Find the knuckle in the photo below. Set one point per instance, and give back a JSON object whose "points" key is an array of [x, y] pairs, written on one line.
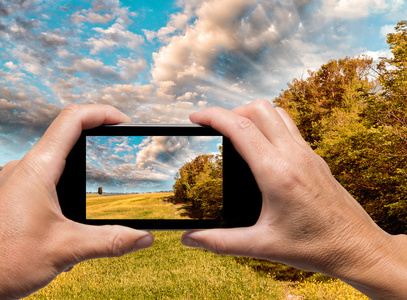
{"points": [[10, 165], [72, 108], [262, 104], [219, 246], [244, 123], [117, 245]]}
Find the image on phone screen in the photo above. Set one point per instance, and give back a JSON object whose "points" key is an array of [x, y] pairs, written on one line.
{"points": [[154, 177]]}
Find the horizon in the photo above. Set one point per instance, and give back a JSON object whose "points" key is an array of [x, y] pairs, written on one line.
{"points": [[120, 164]]}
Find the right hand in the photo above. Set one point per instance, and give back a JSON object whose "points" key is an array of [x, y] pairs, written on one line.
{"points": [[308, 220]]}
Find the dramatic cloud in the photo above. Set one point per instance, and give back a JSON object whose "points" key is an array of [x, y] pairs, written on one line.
{"points": [[160, 67], [141, 164]]}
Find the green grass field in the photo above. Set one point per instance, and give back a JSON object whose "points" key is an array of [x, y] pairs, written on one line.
{"points": [[169, 270], [134, 206]]}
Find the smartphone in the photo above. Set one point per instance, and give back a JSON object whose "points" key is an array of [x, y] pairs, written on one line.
{"points": [[158, 177]]}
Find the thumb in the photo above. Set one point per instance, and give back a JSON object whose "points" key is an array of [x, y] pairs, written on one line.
{"points": [[234, 241], [83, 242]]}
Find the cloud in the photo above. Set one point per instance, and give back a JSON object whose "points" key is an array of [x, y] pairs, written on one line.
{"points": [[95, 68], [386, 29], [52, 39], [237, 41], [348, 9], [209, 53], [152, 161], [160, 148], [114, 36], [131, 68]]}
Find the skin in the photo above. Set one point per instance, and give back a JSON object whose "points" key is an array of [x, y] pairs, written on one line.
{"points": [[36, 241], [308, 219]]}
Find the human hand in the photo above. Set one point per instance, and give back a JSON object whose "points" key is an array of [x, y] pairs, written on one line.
{"points": [[36, 241], [308, 220]]}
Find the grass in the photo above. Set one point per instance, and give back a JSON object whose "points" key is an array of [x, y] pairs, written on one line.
{"points": [[168, 270], [136, 206]]}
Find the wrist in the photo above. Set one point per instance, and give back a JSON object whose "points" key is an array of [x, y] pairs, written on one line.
{"points": [[378, 267]]}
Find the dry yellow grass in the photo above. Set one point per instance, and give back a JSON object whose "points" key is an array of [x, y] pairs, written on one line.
{"points": [[132, 206]]}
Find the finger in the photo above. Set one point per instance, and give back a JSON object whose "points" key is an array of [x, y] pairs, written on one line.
{"points": [[82, 242], [233, 241], [53, 148], [291, 126], [7, 170], [297, 135], [267, 119], [243, 133]]}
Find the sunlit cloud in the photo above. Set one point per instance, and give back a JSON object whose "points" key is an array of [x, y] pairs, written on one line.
{"points": [[160, 61], [139, 164]]}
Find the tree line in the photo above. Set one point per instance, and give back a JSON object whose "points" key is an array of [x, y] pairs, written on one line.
{"points": [[199, 186], [353, 113]]}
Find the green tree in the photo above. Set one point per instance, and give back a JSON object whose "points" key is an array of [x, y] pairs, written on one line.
{"points": [[199, 183], [358, 125], [337, 84], [389, 111]]}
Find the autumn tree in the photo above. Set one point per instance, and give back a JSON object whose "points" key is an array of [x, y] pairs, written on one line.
{"points": [[388, 110], [199, 183], [357, 123], [335, 85]]}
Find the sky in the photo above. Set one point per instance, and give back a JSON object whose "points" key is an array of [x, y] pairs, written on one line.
{"points": [[160, 60], [127, 164]]}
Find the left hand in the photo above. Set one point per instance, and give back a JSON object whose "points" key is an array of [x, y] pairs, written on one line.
{"points": [[36, 241]]}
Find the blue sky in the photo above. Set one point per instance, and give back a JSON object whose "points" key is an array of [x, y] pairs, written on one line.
{"points": [[126, 164], [158, 61]]}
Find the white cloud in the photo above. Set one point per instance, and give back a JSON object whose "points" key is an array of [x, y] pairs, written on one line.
{"points": [[375, 55], [348, 9], [223, 53], [130, 68], [386, 29], [10, 65], [98, 18], [114, 36], [187, 96]]}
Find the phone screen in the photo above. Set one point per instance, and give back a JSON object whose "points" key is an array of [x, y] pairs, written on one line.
{"points": [[154, 177]]}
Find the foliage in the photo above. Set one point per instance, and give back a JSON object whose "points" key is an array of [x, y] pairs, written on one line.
{"points": [[336, 85], [199, 185], [357, 124]]}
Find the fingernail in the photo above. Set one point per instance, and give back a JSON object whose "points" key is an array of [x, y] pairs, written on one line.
{"points": [[144, 242], [189, 242]]}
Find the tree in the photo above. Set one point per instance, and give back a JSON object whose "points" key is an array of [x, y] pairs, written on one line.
{"points": [[337, 84], [357, 123], [199, 183], [389, 111]]}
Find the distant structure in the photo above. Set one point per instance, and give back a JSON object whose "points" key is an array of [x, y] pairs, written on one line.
{"points": [[100, 191]]}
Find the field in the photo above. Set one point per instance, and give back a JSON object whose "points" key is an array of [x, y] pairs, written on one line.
{"points": [[133, 206], [169, 270]]}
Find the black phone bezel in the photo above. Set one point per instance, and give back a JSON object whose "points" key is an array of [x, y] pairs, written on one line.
{"points": [[242, 198]]}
